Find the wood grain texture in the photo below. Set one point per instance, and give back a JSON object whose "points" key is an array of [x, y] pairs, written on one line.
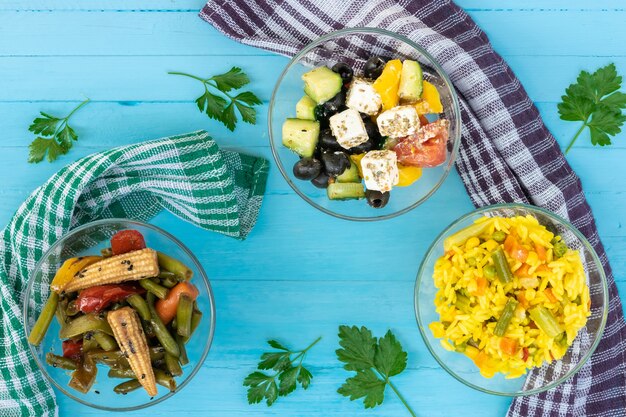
{"points": [[288, 280]]}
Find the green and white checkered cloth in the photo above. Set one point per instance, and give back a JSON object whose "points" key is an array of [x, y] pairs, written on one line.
{"points": [[188, 175]]}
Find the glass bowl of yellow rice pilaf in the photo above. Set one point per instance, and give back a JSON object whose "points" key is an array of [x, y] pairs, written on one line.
{"points": [[511, 299]]}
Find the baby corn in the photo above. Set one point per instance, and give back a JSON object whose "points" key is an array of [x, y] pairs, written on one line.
{"points": [[132, 341], [130, 266]]}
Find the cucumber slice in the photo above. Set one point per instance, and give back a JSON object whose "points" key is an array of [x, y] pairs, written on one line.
{"points": [[321, 84], [350, 175], [301, 136], [305, 108], [345, 191], [410, 89]]}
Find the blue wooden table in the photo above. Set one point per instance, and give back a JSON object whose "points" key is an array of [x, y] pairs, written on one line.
{"points": [[301, 273]]}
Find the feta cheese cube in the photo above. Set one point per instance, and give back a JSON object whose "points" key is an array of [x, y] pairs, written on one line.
{"points": [[380, 170], [348, 128], [398, 122], [363, 97]]}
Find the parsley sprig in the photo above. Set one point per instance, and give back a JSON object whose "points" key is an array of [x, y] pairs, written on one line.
{"points": [[55, 138], [595, 100], [375, 361], [289, 372], [221, 106]]}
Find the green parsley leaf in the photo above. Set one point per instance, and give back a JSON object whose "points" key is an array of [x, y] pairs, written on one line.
{"points": [[365, 384], [375, 361], [595, 101], [39, 147], [289, 372], [221, 106], [57, 136], [232, 80]]}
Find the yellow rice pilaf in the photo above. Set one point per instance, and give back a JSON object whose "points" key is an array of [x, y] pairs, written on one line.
{"points": [[471, 300]]}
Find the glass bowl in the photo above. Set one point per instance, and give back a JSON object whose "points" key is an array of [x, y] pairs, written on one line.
{"points": [[351, 46], [539, 379], [89, 239]]}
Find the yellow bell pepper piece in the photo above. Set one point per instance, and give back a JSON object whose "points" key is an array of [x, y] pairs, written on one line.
{"points": [[430, 101], [356, 159], [431, 96], [70, 268], [388, 83], [408, 175]]}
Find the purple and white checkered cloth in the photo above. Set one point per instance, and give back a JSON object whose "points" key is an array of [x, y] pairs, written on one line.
{"points": [[506, 154]]}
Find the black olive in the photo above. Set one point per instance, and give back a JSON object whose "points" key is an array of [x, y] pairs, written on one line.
{"points": [[322, 114], [373, 67], [344, 70], [307, 168], [372, 132], [335, 163], [328, 142], [366, 146], [333, 105], [321, 181], [377, 199], [365, 116]]}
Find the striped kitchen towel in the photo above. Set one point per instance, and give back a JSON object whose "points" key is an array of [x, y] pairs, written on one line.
{"points": [[187, 175], [506, 154]]}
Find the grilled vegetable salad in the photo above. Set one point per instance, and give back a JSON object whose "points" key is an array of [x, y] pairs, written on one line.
{"points": [[132, 309], [369, 129]]}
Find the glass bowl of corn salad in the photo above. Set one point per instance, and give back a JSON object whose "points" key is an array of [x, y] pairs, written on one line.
{"points": [[112, 385], [511, 299]]}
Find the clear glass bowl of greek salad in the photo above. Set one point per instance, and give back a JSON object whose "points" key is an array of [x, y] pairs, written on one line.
{"points": [[364, 124]]}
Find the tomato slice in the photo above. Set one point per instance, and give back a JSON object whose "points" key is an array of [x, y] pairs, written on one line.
{"points": [[127, 241], [95, 299], [427, 148], [72, 348]]}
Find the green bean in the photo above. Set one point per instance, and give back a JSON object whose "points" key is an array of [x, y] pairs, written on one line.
{"points": [[473, 343], [499, 236], [172, 365], [463, 235], [460, 347], [105, 341], [164, 379], [84, 376], [71, 309], [184, 311], [505, 317], [89, 342], [559, 249], [502, 266], [169, 282], [106, 252], [137, 302], [489, 271], [57, 361], [84, 324], [154, 288], [183, 359], [121, 373], [167, 275], [196, 316], [546, 321], [463, 303], [126, 387], [147, 328], [160, 330], [60, 312], [40, 328], [174, 265]]}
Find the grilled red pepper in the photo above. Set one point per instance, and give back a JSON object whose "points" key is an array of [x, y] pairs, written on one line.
{"points": [[72, 349], [127, 241], [95, 299]]}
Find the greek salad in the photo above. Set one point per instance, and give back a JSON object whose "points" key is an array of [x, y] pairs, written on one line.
{"points": [[359, 136]]}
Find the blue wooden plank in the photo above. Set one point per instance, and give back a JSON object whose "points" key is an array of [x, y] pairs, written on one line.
{"points": [[287, 280]]}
